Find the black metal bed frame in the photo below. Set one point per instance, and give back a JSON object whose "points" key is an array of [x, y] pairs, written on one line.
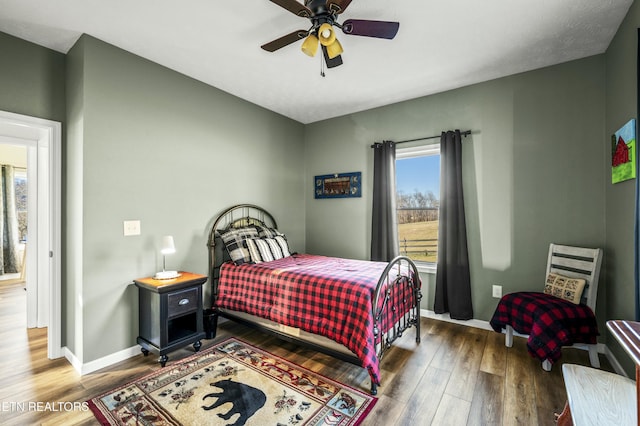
{"points": [[242, 215]]}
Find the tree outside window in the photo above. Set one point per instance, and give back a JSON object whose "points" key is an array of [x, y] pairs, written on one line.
{"points": [[21, 202]]}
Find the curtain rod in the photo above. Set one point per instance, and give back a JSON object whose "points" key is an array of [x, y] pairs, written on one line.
{"points": [[465, 134]]}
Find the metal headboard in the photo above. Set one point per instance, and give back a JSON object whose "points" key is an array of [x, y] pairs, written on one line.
{"points": [[238, 216]]}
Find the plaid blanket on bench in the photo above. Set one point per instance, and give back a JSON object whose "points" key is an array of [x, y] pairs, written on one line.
{"points": [[549, 321]]}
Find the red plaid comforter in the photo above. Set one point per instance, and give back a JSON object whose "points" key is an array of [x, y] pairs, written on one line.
{"points": [[328, 296], [549, 321]]}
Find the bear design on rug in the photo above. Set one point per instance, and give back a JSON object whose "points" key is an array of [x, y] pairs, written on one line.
{"points": [[246, 400]]}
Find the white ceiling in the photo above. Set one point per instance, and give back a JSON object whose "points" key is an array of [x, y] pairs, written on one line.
{"points": [[441, 45]]}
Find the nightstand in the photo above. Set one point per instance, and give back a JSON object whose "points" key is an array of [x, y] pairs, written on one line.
{"points": [[170, 313]]}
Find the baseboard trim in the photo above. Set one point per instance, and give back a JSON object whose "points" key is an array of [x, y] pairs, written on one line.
{"points": [[72, 358], [446, 317], [100, 363]]}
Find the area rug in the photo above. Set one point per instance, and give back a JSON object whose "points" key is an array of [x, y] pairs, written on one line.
{"points": [[233, 383]]}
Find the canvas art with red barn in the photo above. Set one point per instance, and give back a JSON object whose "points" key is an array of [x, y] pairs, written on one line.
{"points": [[623, 153]]}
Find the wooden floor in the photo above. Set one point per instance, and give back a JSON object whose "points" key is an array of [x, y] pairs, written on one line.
{"points": [[457, 375]]}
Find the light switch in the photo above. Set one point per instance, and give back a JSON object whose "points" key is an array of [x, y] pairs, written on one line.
{"points": [[497, 291], [131, 227]]}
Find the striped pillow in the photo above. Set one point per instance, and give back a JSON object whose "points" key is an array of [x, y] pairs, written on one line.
{"points": [[268, 249]]}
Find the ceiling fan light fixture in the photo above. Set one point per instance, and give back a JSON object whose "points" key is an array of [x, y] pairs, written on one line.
{"points": [[323, 15], [334, 49], [326, 34], [310, 45]]}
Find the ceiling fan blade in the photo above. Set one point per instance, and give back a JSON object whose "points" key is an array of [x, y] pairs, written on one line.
{"points": [[294, 7], [285, 40], [378, 29], [338, 6], [331, 63]]}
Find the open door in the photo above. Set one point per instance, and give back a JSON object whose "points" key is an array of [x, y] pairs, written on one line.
{"points": [[43, 141]]}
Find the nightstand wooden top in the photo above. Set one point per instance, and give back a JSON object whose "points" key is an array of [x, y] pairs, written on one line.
{"points": [[186, 279]]}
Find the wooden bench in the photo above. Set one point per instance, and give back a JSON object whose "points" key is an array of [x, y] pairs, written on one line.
{"points": [[598, 397]]}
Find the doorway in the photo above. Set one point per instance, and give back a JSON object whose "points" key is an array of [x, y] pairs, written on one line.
{"points": [[42, 140]]}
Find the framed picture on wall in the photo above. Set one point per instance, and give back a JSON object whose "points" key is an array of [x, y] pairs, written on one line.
{"points": [[338, 185], [623, 153]]}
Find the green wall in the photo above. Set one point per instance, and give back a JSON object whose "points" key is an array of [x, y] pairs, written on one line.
{"points": [[32, 82], [150, 144], [72, 219], [31, 79], [532, 174], [621, 89]]}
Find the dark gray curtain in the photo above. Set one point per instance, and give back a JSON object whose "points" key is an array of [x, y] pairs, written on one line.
{"points": [[384, 227], [453, 285], [8, 222]]}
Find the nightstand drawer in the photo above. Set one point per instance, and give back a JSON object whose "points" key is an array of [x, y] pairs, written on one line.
{"points": [[182, 301]]}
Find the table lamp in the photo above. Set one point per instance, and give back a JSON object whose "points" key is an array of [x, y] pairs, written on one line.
{"points": [[168, 247]]}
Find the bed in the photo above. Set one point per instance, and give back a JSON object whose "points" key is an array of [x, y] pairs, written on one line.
{"points": [[350, 309]]}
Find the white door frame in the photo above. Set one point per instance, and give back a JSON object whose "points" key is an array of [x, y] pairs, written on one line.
{"points": [[43, 139]]}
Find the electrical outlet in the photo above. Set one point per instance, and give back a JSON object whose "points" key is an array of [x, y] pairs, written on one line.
{"points": [[497, 291], [131, 227]]}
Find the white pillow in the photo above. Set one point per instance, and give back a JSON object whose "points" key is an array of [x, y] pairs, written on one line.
{"points": [[565, 287], [268, 249]]}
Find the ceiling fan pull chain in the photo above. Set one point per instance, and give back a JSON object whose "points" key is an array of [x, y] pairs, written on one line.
{"points": [[322, 65]]}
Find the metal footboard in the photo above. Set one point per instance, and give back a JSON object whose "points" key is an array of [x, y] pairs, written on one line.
{"points": [[396, 304]]}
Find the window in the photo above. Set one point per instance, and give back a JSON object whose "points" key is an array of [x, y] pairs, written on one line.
{"points": [[418, 201]]}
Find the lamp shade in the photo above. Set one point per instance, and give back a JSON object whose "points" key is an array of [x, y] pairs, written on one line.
{"points": [[334, 49], [168, 247], [310, 45], [326, 34]]}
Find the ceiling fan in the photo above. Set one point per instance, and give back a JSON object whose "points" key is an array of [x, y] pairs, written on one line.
{"points": [[323, 15]]}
